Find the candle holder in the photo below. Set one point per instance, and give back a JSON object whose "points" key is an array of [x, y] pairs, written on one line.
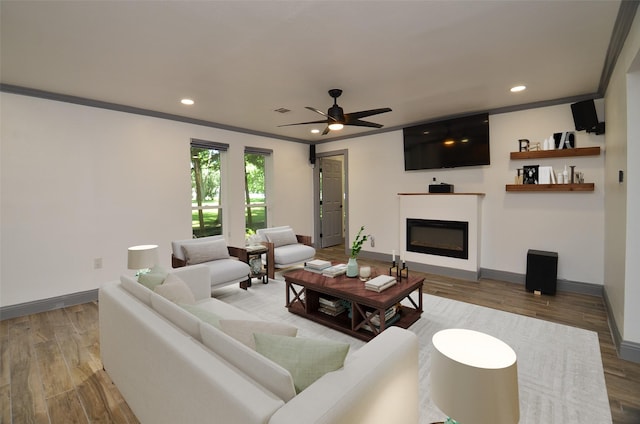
{"points": [[403, 272], [393, 269]]}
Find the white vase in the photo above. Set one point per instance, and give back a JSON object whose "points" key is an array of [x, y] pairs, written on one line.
{"points": [[352, 267]]}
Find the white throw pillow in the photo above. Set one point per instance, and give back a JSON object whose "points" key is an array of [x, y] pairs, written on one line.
{"points": [[281, 237], [242, 330], [306, 359], [153, 278], [197, 253], [175, 290]]}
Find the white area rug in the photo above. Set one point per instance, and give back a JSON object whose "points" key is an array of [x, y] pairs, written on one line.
{"points": [[560, 374]]}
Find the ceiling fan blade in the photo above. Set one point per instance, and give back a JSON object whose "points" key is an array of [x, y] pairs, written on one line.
{"points": [[304, 123], [326, 130], [359, 123], [365, 113], [320, 112]]}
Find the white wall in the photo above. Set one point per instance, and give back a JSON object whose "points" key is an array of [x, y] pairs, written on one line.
{"points": [[571, 224], [80, 183], [622, 271]]}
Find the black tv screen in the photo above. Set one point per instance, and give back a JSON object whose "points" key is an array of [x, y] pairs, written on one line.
{"points": [[447, 144]]}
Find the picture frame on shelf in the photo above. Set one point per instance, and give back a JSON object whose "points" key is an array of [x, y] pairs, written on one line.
{"points": [[530, 174]]}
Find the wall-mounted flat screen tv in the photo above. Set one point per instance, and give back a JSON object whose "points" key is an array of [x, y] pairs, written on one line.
{"points": [[450, 143]]}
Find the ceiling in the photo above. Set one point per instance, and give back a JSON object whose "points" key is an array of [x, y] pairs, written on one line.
{"points": [[241, 60]]}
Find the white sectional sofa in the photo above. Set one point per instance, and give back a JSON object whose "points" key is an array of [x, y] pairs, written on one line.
{"points": [[173, 367]]}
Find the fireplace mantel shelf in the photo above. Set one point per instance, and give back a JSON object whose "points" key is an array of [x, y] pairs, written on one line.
{"points": [[441, 194]]}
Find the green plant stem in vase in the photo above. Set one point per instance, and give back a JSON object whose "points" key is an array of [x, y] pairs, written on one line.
{"points": [[352, 265]]}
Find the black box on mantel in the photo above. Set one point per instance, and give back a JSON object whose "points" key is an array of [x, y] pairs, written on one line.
{"points": [[441, 188], [542, 271]]}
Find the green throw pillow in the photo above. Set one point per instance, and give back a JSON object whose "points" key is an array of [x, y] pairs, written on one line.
{"points": [[202, 314], [306, 359], [153, 278]]}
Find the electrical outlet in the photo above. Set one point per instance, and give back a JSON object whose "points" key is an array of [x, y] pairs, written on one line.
{"points": [[97, 263], [373, 241]]}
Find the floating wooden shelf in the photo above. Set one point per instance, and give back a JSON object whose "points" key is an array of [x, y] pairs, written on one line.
{"points": [[559, 153], [550, 187]]}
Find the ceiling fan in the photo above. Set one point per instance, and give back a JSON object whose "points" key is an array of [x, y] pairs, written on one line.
{"points": [[336, 118]]}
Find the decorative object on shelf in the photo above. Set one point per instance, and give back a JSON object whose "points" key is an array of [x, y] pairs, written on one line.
{"points": [[256, 265], [534, 147], [352, 265], [565, 175], [518, 179], [573, 173], [530, 174], [564, 140], [523, 145], [142, 258]]}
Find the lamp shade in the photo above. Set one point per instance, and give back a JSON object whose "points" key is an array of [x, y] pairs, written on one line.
{"points": [[474, 377], [142, 257]]}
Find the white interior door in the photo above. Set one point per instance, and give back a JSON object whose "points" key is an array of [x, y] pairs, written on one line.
{"points": [[331, 197]]}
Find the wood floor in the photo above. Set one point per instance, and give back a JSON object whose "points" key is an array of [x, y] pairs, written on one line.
{"points": [[50, 368]]}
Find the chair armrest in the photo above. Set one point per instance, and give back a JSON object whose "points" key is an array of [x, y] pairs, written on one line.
{"points": [[304, 239], [177, 262], [239, 253], [270, 256]]}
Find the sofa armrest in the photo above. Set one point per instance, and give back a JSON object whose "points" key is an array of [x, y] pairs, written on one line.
{"points": [[198, 279], [304, 239], [378, 385]]}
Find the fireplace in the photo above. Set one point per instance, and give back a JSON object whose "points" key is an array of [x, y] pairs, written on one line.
{"points": [[436, 237]]}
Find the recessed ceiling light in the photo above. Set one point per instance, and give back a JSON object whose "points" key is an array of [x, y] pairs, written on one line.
{"points": [[187, 102], [315, 131], [518, 88], [449, 142]]}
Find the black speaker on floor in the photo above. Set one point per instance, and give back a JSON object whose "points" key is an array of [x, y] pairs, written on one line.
{"points": [[542, 271], [312, 154]]}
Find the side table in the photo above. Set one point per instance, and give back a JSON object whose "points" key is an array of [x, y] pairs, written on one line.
{"points": [[254, 260]]}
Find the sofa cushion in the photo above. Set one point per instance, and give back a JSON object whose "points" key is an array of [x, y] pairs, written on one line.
{"points": [[281, 237], [153, 278], [227, 270], [136, 289], [225, 310], [206, 251], [176, 290], [176, 245], [263, 371], [306, 359], [189, 323], [242, 330], [203, 314], [293, 253]]}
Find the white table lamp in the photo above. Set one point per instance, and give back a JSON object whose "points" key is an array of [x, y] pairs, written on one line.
{"points": [[474, 378], [142, 257]]}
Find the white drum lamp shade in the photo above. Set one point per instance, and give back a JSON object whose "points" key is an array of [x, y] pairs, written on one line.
{"points": [[474, 378], [142, 257]]}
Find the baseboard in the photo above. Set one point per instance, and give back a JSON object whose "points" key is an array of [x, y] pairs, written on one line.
{"points": [[562, 285], [43, 305], [629, 351]]}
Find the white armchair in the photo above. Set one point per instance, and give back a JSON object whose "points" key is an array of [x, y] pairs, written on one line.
{"points": [[222, 260], [285, 248]]}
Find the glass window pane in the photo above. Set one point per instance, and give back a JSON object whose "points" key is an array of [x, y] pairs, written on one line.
{"points": [[205, 192], [255, 192]]}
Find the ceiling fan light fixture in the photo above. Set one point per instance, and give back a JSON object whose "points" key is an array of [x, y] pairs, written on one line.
{"points": [[336, 126]]}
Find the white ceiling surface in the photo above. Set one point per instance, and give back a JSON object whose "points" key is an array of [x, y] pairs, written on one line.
{"points": [[241, 60]]}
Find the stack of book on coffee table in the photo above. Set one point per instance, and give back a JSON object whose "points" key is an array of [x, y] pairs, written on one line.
{"points": [[317, 265], [391, 315], [335, 270], [380, 283]]}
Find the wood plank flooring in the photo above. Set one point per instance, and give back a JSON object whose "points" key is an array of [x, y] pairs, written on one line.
{"points": [[50, 368]]}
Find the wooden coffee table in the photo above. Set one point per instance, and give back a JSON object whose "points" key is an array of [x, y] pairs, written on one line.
{"points": [[305, 290]]}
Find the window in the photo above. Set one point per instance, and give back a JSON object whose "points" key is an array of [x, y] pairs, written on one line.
{"points": [[206, 192], [255, 188]]}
